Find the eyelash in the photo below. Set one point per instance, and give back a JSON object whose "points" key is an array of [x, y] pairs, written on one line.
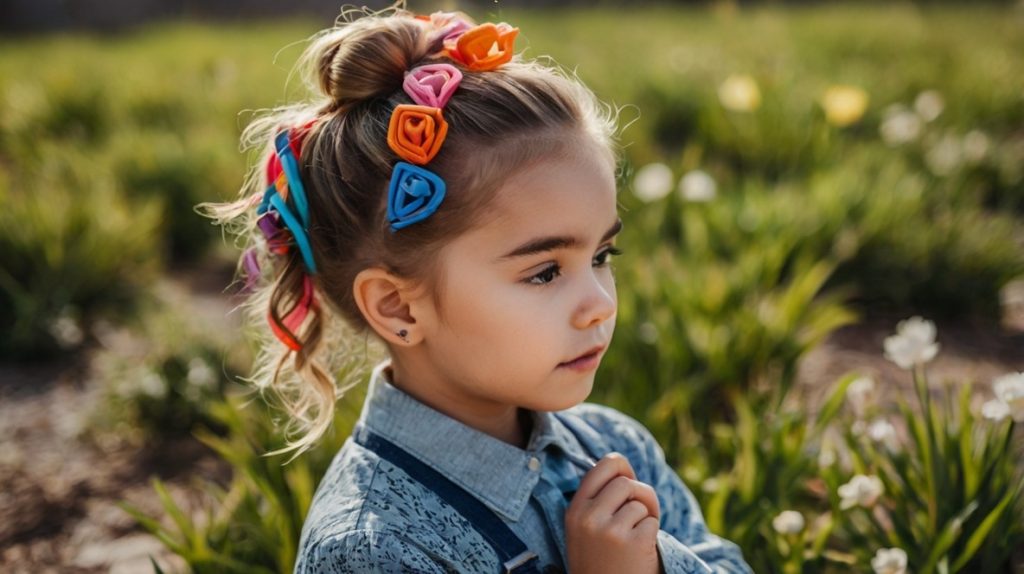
{"points": [[556, 269]]}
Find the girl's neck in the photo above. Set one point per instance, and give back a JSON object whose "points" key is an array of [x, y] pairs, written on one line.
{"points": [[507, 423]]}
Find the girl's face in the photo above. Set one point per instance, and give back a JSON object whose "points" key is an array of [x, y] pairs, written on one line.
{"points": [[528, 292]]}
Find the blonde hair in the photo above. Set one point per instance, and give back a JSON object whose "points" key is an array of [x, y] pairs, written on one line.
{"points": [[499, 122]]}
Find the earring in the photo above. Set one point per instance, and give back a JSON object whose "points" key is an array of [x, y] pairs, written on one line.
{"points": [[403, 334]]}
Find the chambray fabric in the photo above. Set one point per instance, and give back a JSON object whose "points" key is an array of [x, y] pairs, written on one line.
{"points": [[370, 516]]}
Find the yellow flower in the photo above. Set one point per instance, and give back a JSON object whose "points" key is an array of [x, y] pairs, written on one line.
{"points": [[844, 105], [739, 93]]}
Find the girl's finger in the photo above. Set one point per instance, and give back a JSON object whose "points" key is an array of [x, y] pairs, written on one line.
{"points": [[610, 466], [631, 513], [646, 494], [647, 529], [620, 491]]}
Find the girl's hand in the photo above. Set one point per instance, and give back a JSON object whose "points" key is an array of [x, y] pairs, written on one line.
{"points": [[612, 523]]}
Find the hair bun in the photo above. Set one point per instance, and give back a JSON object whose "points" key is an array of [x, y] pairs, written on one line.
{"points": [[368, 57]]}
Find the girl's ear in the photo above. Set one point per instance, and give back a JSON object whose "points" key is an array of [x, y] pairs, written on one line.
{"points": [[384, 299]]}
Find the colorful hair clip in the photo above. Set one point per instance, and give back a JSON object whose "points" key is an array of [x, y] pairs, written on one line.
{"points": [[414, 194], [432, 84], [446, 25], [482, 48], [417, 132]]}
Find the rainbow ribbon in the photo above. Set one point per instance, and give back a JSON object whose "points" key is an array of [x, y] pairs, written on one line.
{"points": [[286, 196]]}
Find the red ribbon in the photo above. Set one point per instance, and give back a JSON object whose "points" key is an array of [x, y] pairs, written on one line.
{"points": [[285, 330]]}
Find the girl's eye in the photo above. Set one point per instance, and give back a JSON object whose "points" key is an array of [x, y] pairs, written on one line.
{"points": [[550, 273], [601, 258], [546, 276]]}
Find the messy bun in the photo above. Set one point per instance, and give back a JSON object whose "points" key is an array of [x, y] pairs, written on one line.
{"points": [[367, 58], [499, 122]]}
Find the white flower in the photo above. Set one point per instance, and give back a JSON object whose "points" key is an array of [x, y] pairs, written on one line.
{"points": [[200, 374], [844, 105], [1009, 389], [913, 344], [697, 185], [860, 491], [929, 104], [66, 331], [995, 410], [653, 181], [889, 561], [860, 394], [711, 485], [739, 93], [900, 125], [944, 157], [882, 432], [975, 146], [153, 385], [788, 522]]}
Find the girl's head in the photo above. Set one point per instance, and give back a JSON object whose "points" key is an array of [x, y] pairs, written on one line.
{"points": [[504, 281]]}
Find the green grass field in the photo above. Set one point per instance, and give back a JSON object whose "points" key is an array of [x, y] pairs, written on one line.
{"points": [[914, 204]]}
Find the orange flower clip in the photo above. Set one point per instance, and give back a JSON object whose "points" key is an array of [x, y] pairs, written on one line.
{"points": [[484, 47], [416, 132]]}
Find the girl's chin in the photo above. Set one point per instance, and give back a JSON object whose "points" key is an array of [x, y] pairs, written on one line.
{"points": [[570, 396]]}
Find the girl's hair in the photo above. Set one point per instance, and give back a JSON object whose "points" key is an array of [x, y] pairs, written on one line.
{"points": [[500, 121]]}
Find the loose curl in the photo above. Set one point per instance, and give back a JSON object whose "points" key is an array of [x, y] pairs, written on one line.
{"points": [[500, 122]]}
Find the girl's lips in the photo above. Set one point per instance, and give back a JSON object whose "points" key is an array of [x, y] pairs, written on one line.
{"points": [[585, 362]]}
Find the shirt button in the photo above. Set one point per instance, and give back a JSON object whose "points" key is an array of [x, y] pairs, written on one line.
{"points": [[534, 464]]}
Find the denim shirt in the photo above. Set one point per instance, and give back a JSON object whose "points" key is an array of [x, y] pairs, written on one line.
{"points": [[369, 516]]}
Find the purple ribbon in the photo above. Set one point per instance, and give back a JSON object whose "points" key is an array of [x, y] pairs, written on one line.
{"points": [[252, 269]]}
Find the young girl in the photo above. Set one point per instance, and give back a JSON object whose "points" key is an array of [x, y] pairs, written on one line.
{"points": [[457, 203]]}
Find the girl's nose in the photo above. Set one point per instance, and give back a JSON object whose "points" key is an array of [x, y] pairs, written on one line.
{"points": [[599, 302]]}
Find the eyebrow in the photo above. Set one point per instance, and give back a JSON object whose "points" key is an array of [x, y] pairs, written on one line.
{"points": [[542, 244]]}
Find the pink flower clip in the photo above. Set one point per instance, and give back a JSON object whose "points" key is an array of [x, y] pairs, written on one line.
{"points": [[447, 26], [432, 84]]}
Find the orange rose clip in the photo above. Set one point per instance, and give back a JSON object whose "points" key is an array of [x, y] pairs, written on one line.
{"points": [[416, 132], [484, 47]]}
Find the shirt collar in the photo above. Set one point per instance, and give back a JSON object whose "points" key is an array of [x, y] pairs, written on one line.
{"points": [[500, 475]]}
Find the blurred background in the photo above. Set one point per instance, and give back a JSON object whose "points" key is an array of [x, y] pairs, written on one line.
{"points": [[797, 178]]}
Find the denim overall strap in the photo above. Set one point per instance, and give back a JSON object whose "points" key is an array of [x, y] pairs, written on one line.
{"points": [[516, 558]]}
